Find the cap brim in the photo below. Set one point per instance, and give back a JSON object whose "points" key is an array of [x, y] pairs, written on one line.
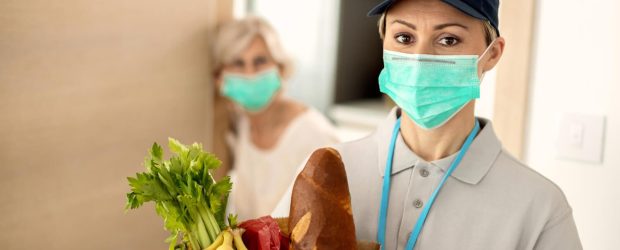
{"points": [[379, 9]]}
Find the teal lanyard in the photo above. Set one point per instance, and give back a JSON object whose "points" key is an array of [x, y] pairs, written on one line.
{"points": [[413, 238]]}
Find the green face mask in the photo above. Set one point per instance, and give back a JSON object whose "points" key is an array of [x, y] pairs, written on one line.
{"points": [[431, 89], [252, 93]]}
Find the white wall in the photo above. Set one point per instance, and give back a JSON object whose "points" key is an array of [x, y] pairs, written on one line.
{"points": [[309, 33], [576, 69], [485, 104]]}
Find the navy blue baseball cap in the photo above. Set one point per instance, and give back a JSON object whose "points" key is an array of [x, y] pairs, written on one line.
{"points": [[481, 9]]}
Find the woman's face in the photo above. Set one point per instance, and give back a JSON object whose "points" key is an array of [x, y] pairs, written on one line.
{"points": [[436, 28], [254, 59]]}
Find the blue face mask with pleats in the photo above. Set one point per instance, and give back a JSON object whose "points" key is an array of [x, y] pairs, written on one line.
{"points": [[431, 89], [252, 93]]}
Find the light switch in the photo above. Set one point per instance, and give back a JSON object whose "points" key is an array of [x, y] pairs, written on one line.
{"points": [[575, 134], [581, 137]]}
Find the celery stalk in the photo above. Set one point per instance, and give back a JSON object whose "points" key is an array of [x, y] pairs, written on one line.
{"points": [[185, 194]]}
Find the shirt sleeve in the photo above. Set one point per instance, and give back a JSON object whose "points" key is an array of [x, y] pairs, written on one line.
{"points": [[560, 233]]}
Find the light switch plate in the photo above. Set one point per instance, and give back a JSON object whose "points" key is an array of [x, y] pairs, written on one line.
{"points": [[581, 137]]}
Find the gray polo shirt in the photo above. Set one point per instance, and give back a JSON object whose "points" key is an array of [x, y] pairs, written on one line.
{"points": [[491, 201]]}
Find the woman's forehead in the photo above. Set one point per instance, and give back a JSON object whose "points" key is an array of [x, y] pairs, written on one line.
{"points": [[426, 10], [256, 46]]}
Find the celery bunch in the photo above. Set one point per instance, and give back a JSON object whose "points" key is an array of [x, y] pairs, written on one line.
{"points": [[186, 196]]}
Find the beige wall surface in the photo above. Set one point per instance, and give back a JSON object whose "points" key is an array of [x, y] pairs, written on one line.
{"points": [[565, 81], [85, 89], [513, 74]]}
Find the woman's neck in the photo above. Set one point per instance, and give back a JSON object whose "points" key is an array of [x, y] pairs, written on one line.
{"points": [[267, 126], [269, 117], [440, 142]]}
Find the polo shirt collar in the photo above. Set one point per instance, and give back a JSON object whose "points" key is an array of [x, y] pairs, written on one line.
{"points": [[474, 166]]}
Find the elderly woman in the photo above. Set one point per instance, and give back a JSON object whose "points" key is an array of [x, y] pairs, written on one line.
{"points": [[434, 176], [270, 133]]}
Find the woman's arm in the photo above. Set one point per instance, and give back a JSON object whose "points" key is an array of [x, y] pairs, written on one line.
{"points": [[560, 233]]}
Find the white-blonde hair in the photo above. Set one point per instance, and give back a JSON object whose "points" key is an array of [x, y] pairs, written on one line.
{"points": [[235, 36]]}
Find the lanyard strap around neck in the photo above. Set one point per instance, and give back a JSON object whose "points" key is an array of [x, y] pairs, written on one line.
{"points": [[386, 187]]}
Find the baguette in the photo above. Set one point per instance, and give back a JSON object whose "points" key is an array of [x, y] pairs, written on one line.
{"points": [[320, 215]]}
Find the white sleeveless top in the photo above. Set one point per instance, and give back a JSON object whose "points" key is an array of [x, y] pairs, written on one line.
{"points": [[260, 177]]}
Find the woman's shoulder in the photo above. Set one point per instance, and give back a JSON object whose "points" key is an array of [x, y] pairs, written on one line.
{"points": [[312, 122], [524, 173], [517, 178]]}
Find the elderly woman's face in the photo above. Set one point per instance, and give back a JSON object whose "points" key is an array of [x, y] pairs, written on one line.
{"points": [[254, 59], [434, 27]]}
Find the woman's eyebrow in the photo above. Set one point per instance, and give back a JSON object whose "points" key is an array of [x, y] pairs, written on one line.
{"points": [[437, 27], [445, 25], [408, 24]]}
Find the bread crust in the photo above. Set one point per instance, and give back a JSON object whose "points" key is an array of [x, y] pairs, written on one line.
{"points": [[321, 195]]}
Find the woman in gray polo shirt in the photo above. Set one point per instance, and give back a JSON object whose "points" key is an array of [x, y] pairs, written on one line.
{"points": [[433, 176]]}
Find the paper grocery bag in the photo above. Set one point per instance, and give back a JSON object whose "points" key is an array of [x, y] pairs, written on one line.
{"points": [[361, 245]]}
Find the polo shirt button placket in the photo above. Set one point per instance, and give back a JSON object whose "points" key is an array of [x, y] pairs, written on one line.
{"points": [[418, 203], [424, 172]]}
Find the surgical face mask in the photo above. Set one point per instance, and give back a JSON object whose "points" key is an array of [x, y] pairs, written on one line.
{"points": [[431, 89], [252, 93]]}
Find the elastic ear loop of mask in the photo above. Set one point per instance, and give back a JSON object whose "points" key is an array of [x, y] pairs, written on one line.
{"points": [[484, 54]]}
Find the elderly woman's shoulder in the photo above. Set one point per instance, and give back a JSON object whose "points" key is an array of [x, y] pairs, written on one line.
{"points": [[312, 127], [315, 121]]}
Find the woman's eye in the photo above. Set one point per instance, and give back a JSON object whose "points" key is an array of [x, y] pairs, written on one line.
{"points": [[404, 38], [258, 61], [449, 41], [238, 63]]}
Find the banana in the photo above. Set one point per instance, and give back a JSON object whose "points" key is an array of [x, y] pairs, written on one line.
{"points": [[218, 242], [237, 238], [228, 240], [225, 240]]}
